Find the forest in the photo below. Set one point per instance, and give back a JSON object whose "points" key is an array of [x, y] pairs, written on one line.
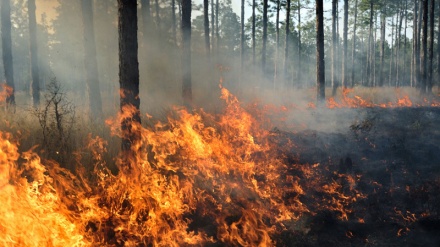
{"points": [[219, 123]]}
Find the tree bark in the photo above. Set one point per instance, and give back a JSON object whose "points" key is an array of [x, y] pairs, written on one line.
{"points": [[206, 26], [253, 33], [334, 44], [33, 47], [90, 63], [299, 66], [157, 8], [424, 56], [212, 25], [345, 51], [7, 50], [431, 45], [128, 71], [414, 67], [382, 45], [286, 41], [320, 62], [186, 53], [438, 48], [353, 47], [242, 40], [263, 50], [370, 42], [173, 19], [217, 32], [146, 21], [277, 45]]}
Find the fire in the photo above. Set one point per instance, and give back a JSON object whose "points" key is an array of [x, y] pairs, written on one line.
{"points": [[194, 179], [350, 100], [5, 91]]}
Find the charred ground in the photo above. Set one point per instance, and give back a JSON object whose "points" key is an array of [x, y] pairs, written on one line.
{"points": [[395, 156]]}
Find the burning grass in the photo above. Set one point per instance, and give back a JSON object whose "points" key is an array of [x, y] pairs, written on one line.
{"points": [[200, 179]]}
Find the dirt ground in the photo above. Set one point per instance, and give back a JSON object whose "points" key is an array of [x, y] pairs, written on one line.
{"points": [[394, 153]]}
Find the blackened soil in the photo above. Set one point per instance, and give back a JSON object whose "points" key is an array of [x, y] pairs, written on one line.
{"points": [[395, 153]]}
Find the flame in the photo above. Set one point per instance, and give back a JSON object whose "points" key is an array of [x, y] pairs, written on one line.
{"points": [[349, 100], [194, 179], [5, 92]]}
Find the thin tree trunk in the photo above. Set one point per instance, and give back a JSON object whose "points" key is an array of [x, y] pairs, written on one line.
{"points": [[157, 7], [419, 39], [333, 68], [90, 63], [414, 48], [373, 61], [242, 41], [34, 53], [390, 78], [277, 45], [398, 50], [206, 26], [212, 25], [320, 62], [253, 32], [7, 50], [370, 50], [424, 56], [129, 71], [263, 50], [405, 71], [431, 45], [217, 32], [173, 17], [286, 41], [438, 47], [345, 48], [146, 22], [186, 53], [353, 48], [299, 66], [382, 45]]}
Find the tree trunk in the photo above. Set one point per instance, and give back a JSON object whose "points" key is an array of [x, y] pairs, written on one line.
{"points": [[157, 8], [7, 50], [206, 26], [253, 32], [398, 40], [405, 71], [128, 71], [334, 83], [34, 53], [90, 63], [173, 17], [431, 45], [390, 76], [299, 66], [212, 25], [353, 48], [424, 56], [419, 39], [370, 44], [414, 67], [217, 32], [263, 50], [186, 53], [382, 45], [286, 41], [345, 51], [438, 49], [146, 22], [242, 41], [320, 62], [277, 45]]}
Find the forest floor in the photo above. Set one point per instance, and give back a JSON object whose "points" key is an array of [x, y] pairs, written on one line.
{"points": [[395, 154]]}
